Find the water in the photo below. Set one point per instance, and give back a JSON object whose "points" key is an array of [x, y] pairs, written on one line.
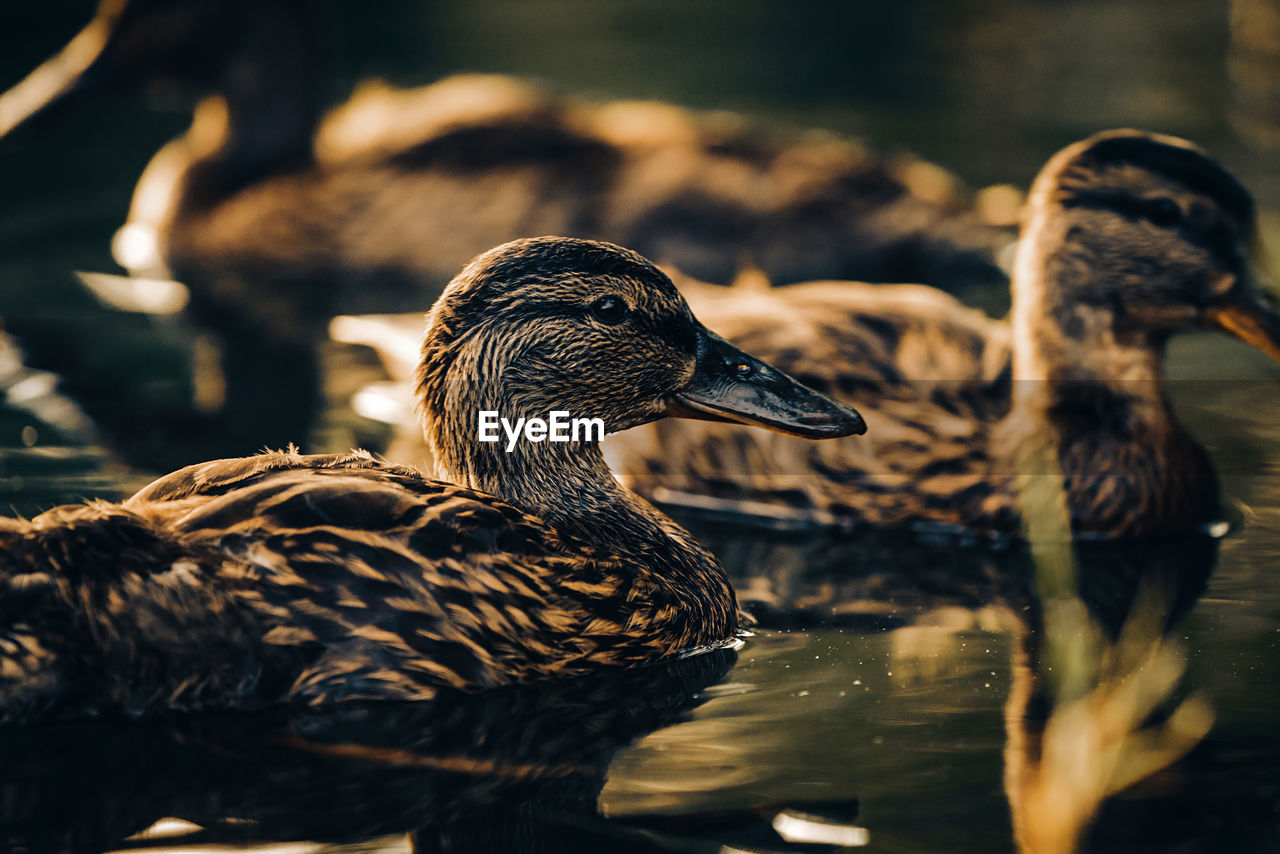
{"points": [[875, 692]]}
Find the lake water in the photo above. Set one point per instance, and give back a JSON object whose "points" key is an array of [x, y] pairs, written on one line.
{"points": [[885, 698]]}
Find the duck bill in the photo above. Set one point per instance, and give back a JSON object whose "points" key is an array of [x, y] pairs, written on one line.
{"points": [[81, 68], [1245, 316], [730, 385]]}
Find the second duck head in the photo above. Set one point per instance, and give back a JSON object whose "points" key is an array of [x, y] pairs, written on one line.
{"points": [[1129, 238]]}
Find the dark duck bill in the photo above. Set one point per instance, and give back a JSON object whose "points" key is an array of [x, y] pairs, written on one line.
{"points": [[730, 385]]}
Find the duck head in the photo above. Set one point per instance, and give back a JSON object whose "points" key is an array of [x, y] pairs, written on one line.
{"points": [[554, 324], [1130, 237]]}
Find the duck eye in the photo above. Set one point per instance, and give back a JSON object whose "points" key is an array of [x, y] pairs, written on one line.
{"points": [[610, 310], [1164, 212]]}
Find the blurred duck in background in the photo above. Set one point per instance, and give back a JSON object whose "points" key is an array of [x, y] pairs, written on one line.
{"points": [[1128, 239], [288, 215]]}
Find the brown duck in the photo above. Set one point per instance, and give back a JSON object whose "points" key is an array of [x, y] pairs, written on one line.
{"points": [[374, 206], [319, 579], [1128, 239]]}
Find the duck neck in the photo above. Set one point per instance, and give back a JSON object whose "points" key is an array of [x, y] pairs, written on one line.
{"points": [[1061, 343], [565, 483], [1098, 387]]}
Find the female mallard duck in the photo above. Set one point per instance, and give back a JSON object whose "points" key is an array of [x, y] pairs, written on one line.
{"points": [[317, 579], [375, 206], [1128, 238]]}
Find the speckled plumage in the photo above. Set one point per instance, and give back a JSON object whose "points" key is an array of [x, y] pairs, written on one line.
{"points": [[1128, 239], [318, 579]]}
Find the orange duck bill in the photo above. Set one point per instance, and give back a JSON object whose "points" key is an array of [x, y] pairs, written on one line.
{"points": [[730, 385], [1245, 314]]}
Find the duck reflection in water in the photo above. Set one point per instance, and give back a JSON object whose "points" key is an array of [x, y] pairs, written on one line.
{"points": [[1095, 705], [513, 770]]}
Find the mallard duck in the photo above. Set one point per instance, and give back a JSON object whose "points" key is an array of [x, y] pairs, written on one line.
{"points": [[319, 579], [374, 206], [1128, 239]]}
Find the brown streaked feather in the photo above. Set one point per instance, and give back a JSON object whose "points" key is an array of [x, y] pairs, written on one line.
{"points": [[422, 586]]}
